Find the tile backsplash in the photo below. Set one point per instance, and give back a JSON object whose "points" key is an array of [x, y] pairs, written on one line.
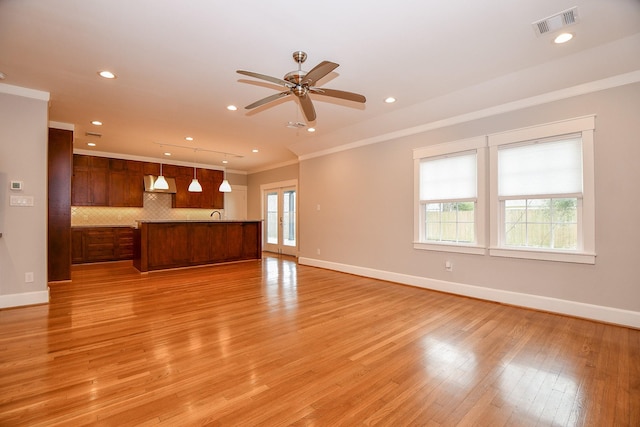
{"points": [[157, 206]]}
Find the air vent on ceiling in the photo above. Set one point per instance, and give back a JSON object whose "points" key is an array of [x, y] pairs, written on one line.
{"points": [[295, 125], [557, 21], [93, 134]]}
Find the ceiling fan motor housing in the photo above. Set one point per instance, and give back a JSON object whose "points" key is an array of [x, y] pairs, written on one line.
{"points": [[295, 78]]}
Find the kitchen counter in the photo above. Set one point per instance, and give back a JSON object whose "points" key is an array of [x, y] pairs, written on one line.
{"points": [[101, 226], [172, 221], [162, 244]]}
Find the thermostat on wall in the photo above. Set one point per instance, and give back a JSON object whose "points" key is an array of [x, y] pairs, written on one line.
{"points": [[16, 185]]}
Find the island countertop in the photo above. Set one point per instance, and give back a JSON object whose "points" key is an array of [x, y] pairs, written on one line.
{"points": [[162, 244], [168, 221]]}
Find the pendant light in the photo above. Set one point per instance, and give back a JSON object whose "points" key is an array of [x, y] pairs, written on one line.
{"points": [[225, 187], [161, 183], [195, 186]]}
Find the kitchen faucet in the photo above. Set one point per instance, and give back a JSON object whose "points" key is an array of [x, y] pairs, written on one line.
{"points": [[218, 212]]}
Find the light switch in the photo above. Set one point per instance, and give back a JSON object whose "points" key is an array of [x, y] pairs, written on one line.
{"points": [[21, 201]]}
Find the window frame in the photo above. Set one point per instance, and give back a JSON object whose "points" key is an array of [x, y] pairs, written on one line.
{"points": [[477, 145], [585, 253]]}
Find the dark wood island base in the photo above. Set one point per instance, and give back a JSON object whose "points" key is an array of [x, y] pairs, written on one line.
{"points": [[160, 245]]}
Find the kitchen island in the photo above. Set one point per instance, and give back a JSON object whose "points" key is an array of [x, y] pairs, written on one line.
{"points": [[160, 245]]}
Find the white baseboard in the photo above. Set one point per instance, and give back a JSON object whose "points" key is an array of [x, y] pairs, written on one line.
{"points": [[27, 298], [571, 308]]}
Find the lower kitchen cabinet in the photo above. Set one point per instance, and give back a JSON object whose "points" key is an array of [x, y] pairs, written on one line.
{"points": [[99, 244]]}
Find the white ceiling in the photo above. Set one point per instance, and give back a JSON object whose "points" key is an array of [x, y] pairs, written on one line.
{"points": [[176, 62]]}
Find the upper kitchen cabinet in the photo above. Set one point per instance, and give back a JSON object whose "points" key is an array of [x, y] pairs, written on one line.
{"points": [[126, 183], [210, 180], [209, 198], [90, 181], [101, 181]]}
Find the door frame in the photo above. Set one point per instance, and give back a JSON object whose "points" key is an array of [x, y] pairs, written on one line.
{"points": [[279, 186]]}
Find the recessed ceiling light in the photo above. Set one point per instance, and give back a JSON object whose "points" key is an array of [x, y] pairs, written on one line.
{"points": [[167, 154], [232, 107], [563, 38], [255, 150], [96, 122], [225, 161], [390, 100], [188, 138], [311, 130], [107, 74], [91, 144]]}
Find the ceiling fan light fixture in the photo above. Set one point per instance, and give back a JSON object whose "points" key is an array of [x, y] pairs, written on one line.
{"points": [[311, 130], [390, 100]]}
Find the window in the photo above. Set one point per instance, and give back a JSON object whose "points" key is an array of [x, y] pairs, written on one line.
{"points": [[449, 196], [542, 192]]}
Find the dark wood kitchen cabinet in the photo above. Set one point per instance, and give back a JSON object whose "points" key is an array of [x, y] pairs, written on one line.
{"points": [[167, 244], [101, 181], [90, 181], [59, 173], [126, 187], [99, 244]]}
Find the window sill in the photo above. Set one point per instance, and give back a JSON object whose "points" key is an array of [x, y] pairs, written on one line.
{"points": [[443, 247], [559, 256]]}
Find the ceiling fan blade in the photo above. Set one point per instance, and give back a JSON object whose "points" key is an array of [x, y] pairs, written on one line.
{"points": [[264, 77], [307, 108], [318, 72], [266, 100], [350, 96]]}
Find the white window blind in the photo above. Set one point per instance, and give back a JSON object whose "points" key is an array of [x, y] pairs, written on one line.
{"points": [[541, 168], [448, 178]]}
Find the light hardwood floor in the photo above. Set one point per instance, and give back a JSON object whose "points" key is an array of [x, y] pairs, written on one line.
{"points": [[273, 343]]}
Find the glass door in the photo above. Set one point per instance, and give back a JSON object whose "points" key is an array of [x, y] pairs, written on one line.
{"points": [[280, 225]]}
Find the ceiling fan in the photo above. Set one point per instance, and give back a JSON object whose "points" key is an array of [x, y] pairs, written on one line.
{"points": [[300, 83]]}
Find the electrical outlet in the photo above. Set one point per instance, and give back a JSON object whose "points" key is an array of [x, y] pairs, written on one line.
{"points": [[448, 265], [28, 277], [318, 251]]}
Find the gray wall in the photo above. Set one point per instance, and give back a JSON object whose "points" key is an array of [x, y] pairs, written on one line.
{"points": [[23, 157], [236, 178], [365, 223]]}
